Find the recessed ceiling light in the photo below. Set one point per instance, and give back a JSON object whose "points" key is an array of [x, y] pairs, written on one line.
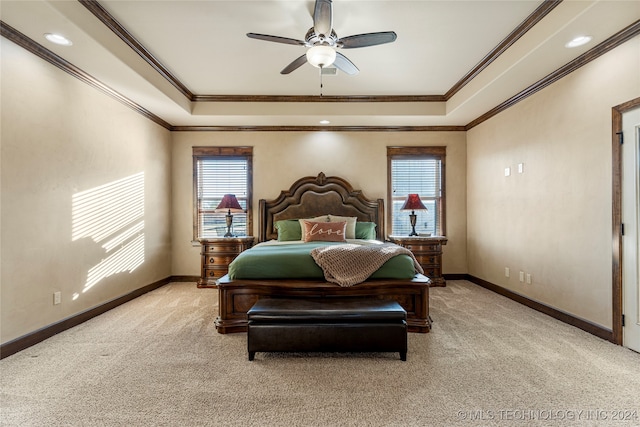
{"points": [[578, 41], [324, 122], [58, 39]]}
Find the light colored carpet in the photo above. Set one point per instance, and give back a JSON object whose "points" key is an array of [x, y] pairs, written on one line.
{"points": [[158, 361]]}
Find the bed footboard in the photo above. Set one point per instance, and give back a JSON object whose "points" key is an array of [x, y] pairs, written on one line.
{"points": [[236, 297]]}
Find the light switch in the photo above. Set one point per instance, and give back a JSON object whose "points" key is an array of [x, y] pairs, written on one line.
{"points": [[520, 167], [507, 171]]}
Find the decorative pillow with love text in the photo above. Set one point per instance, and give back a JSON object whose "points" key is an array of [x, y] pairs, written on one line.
{"points": [[323, 231]]}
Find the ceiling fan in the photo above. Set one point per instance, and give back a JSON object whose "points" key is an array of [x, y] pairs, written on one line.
{"points": [[323, 41]]}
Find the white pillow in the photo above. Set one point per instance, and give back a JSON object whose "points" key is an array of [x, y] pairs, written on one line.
{"points": [[351, 224]]}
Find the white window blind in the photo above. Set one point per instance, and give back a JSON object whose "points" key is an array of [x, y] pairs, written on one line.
{"points": [[421, 174], [214, 177]]}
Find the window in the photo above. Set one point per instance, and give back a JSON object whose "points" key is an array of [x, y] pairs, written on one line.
{"points": [[418, 170], [218, 171]]}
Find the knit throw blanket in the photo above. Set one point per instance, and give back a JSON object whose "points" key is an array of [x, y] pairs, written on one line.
{"points": [[350, 264]]}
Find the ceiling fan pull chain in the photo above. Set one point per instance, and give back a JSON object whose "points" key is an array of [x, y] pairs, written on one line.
{"points": [[320, 81]]}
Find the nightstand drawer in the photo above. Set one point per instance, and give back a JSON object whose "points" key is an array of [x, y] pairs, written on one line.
{"points": [[220, 248], [423, 249], [432, 271], [222, 260], [427, 259], [214, 273]]}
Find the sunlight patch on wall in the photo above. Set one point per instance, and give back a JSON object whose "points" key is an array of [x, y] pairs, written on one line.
{"points": [[127, 258], [100, 212], [112, 215]]}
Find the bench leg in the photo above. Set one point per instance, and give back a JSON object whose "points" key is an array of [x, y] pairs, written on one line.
{"points": [[252, 354], [403, 356]]}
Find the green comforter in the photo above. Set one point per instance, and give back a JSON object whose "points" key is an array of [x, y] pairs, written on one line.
{"points": [[294, 261]]}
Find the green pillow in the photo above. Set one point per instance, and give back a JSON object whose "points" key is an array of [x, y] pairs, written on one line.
{"points": [[366, 230], [289, 229]]}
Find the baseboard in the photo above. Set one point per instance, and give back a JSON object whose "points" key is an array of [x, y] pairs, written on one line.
{"points": [[185, 278], [579, 323], [25, 341], [456, 276]]}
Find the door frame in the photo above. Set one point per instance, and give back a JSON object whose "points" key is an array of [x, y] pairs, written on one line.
{"points": [[616, 149]]}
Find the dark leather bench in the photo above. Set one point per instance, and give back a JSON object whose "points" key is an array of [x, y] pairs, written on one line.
{"points": [[327, 325]]}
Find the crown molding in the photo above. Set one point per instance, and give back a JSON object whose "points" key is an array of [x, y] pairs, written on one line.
{"points": [[316, 98], [537, 15], [318, 128], [28, 44], [611, 43], [107, 19]]}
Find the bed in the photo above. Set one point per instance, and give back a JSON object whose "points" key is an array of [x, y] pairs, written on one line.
{"points": [[312, 197]]}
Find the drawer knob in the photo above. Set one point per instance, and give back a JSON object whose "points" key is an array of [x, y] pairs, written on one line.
{"points": [[211, 260]]}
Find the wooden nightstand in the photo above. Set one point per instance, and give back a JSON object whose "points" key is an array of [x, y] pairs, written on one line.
{"points": [[216, 254], [428, 252]]}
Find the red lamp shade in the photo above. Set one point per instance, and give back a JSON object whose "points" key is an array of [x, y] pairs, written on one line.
{"points": [[413, 203], [229, 204]]}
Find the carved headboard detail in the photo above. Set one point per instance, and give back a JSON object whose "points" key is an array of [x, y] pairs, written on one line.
{"points": [[314, 196]]}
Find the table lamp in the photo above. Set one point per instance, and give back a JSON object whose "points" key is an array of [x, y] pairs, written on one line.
{"points": [[229, 204], [413, 203]]}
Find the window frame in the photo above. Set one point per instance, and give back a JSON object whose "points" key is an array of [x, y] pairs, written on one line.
{"points": [[412, 153], [200, 153]]}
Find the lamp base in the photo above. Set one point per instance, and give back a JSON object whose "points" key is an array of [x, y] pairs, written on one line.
{"points": [[229, 220], [412, 221]]}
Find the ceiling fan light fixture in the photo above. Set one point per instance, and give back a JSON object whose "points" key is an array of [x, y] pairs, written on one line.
{"points": [[321, 56], [322, 41]]}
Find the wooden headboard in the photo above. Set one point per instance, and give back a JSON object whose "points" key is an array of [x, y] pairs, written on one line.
{"points": [[314, 196]]}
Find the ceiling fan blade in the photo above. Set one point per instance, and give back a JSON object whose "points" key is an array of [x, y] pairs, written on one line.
{"points": [[369, 39], [343, 64], [323, 17], [297, 63], [276, 39]]}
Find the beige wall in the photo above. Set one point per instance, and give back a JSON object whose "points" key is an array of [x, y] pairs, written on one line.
{"points": [[554, 220], [62, 139], [64, 142], [280, 158]]}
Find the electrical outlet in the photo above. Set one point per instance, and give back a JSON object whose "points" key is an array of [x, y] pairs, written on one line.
{"points": [[57, 298], [528, 278], [507, 171], [506, 272], [520, 167], [522, 276]]}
